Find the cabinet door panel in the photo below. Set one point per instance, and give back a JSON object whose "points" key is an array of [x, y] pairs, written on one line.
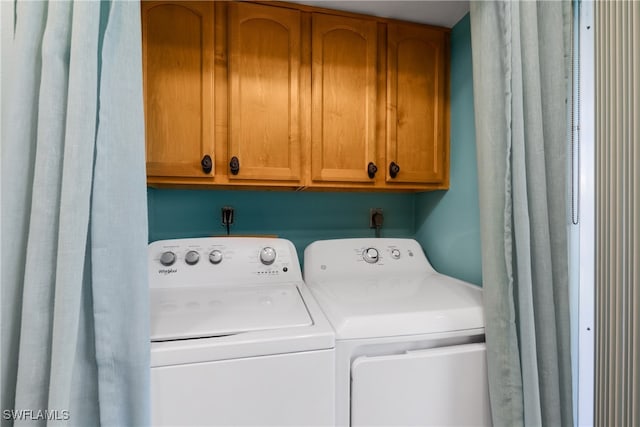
{"points": [[264, 68], [343, 98], [417, 134], [178, 86]]}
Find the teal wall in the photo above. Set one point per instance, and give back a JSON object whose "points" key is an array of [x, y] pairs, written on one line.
{"points": [[299, 217], [445, 223], [448, 223]]}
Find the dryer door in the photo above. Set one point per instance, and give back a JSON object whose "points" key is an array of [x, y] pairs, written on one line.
{"points": [[444, 386]]}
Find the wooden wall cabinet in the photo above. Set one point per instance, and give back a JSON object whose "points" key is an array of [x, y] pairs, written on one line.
{"points": [[418, 107], [178, 87], [264, 98], [304, 98], [343, 114]]}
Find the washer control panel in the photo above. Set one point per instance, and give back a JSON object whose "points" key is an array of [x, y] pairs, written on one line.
{"points": [[342, 257], [209, 261]]}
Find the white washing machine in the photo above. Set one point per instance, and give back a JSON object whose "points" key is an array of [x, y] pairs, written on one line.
{"points": [[236, 337], [409, 341]]}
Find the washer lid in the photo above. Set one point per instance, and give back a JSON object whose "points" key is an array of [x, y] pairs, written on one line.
{"points": [[392, 305], [196, 312]]}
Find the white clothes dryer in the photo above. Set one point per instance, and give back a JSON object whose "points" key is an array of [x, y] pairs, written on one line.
{"points": [[236, 337], [409, 341]]}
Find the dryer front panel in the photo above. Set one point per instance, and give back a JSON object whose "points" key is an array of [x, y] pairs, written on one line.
{"points": [[445, 386]]}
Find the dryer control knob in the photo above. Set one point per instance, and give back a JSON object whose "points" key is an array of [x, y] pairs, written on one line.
{"points": [[370, 255], [267, 255], [167, 258], [395, 254], [215, 257], [192, 257]]}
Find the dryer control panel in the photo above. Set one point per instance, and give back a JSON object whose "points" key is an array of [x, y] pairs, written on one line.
{"points": [[364, 257], [212, 261]]}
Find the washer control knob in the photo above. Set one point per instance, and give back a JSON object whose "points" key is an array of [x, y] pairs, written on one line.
{"points": [[192, 257], [267, 255], [395, 254], [167, 258], [370, 255], [215, 256]]}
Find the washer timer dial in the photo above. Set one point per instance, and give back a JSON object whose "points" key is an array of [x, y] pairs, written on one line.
{"points": [[267, 255], [370, 255]]}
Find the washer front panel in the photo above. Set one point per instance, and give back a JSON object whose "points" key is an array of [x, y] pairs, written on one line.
{"points": [[295, 389]]}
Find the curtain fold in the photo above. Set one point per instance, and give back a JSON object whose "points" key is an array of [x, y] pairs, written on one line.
{"points": [[75, 345], [521, 74]]}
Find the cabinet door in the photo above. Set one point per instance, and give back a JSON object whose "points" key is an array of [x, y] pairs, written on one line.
{"points": [[264, 99], [417, 90], [178, 86], [343, 121]]}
